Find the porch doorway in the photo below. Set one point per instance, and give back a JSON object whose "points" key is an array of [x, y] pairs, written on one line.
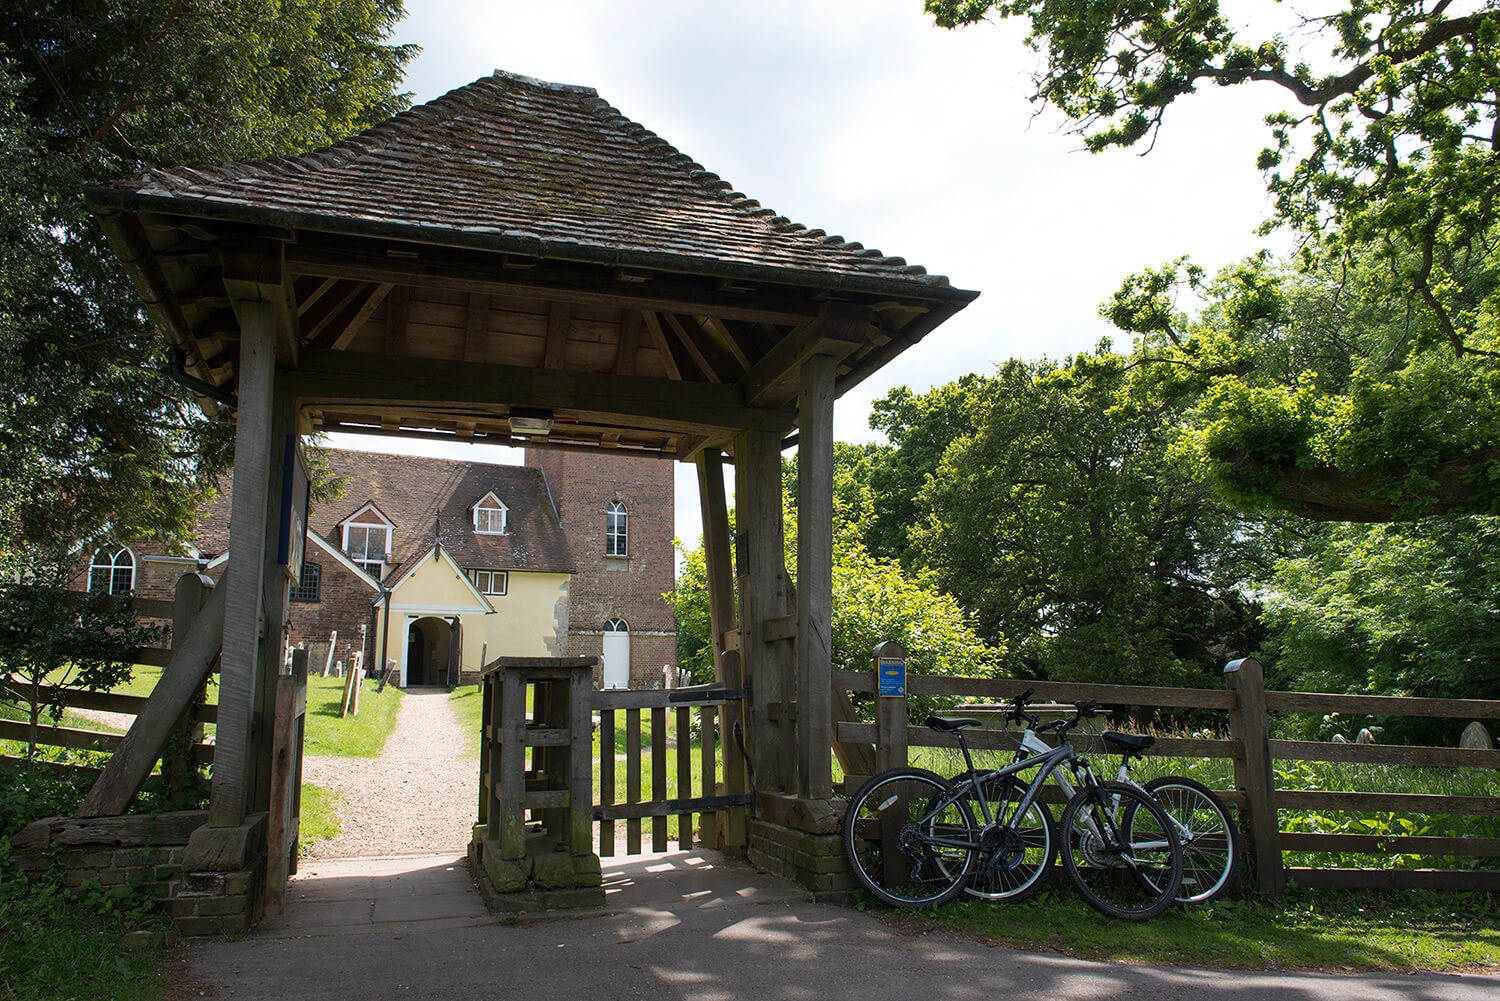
{"points": [[616, 654], [429, 647]]}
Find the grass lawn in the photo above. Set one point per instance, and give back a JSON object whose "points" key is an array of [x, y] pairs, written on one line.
{"points": [[1336, 930], [360, 736], [320, 819]]}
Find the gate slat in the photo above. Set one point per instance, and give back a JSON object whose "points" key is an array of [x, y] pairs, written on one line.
{"points": [[709, 763], [633, 778], [658, 776], [684, 775], [607, 779]]}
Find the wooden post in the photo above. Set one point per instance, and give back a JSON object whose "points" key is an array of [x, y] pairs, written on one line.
{"points": [[1249, 723], [581, 762], [275, 605], [765, 593], [890, 716], [192, 591], [728, 669], [510, 777], [333, 642], [284, 821], [815, 579], [240, 668]]}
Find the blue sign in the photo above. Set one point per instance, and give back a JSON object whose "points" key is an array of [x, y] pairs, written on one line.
{"points": [[892, 674]]}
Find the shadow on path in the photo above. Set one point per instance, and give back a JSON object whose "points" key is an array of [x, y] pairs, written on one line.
{"points": [[689, 925]]}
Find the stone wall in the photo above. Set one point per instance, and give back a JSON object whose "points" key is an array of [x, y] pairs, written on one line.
{"points": [[208, 881]]}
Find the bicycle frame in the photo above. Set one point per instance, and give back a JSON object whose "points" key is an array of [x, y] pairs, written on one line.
{"points": [[1050, 759]]}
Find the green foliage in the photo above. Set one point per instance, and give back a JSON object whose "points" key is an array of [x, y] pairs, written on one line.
{"points": [[1063, 524], [873, 600], [54, 636], [1317, 392], [91, 432], [1386, 142], [1404, 609]]}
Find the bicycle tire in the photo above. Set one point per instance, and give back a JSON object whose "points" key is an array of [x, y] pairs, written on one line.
{"points": [[1132, 873], [919, 857], [1014, 858], [1211, 846]]}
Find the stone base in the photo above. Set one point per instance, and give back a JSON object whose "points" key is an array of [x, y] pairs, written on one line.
{"points": [[223, 880], [539, 881], [813, 861]]}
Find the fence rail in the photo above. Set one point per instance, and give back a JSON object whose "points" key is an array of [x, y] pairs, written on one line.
{"points": [[1245, 703]]}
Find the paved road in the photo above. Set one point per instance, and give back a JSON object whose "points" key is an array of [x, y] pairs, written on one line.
{"points": [[683, 926]]}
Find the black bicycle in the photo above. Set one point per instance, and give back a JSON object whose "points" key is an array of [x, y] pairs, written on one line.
{"points": [[912, 838]]}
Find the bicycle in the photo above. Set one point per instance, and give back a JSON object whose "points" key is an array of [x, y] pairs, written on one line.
{"points": [[1210, 844], [912, 840]]}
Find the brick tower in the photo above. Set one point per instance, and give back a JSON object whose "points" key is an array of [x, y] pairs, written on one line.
{"points": [[618, 514]]}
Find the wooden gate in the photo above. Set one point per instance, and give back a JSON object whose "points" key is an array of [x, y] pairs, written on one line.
{"points": [[662, 787]]}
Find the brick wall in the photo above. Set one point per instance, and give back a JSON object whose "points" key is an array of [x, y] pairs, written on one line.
{"points": [[630, 588], [344, 603]]}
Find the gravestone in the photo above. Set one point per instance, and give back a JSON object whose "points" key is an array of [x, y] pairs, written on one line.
{"points": [[1476, 736]]}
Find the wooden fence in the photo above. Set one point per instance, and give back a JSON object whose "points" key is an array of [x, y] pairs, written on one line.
{"points": [[716, 708], [194, 751], [1247, 705]]}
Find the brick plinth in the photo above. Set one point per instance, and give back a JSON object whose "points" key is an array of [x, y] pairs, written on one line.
{"points": [[813, 861]]}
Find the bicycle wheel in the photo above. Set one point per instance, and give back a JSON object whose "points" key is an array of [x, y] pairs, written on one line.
{"points": [[1210, 844], [1130, 872], [1015, 852], [908, 839]]}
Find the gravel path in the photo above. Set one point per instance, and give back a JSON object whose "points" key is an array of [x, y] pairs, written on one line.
{"points": [[419, 795]]}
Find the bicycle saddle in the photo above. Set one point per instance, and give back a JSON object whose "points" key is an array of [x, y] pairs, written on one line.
{"points": [[1128, 741], [950, 725]]}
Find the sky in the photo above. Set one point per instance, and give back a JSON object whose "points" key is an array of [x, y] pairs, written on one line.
{"points": [[862, 118]]}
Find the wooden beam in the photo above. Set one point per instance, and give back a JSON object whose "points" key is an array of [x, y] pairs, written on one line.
{"points": [[254, 272], [239, 674], [559, 315], [630, 341], [324, 287], [397, 311], [838, 331], [715, 328], [361, 378], [712, 362], [552, 281], [477, 327], [815, 578], [659, 338], [373, 296]]}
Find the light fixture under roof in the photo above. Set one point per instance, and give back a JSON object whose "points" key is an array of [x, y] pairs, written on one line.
{"points": [[530, 420]]}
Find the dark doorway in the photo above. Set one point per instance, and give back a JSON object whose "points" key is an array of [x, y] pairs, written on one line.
{"points": [[428, 645]]}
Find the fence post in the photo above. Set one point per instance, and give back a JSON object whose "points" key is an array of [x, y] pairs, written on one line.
{"points": [[1249, 723], [890, 713], [177, 769]]}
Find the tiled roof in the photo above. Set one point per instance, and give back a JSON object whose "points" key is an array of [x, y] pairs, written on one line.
{"points": [[532, 167], [410, 491]]}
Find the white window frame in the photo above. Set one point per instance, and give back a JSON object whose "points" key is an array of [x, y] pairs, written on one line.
{"points": [[113, 568], [486, 580], [489, 504], [375, 520], [616, 540]]}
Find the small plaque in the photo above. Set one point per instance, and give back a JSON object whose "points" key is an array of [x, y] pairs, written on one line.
{"points": [[892, 672]]}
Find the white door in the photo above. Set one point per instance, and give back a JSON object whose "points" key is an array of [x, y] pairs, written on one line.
{"points": [[616, 654]]}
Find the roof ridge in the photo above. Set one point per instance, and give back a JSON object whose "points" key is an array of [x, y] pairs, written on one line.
{"points": [[466, 463]]}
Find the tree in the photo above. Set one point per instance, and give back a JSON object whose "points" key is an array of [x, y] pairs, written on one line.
{"points": [[52, 638], [1064, 525], [1389, 138], [873, 600], [91, 432], [1318, 393], [1405, 609]]}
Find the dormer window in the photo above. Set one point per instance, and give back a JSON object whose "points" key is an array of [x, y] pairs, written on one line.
{"points": [[489, 516], [367, 540]]}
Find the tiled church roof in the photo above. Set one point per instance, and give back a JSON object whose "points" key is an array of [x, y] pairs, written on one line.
{"points": [[536, 168], [409, 491]]}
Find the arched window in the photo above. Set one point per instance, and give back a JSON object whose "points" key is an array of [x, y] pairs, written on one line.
{"points": [[616, 626], [113, 571], [307, 588], [616, 530]]}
